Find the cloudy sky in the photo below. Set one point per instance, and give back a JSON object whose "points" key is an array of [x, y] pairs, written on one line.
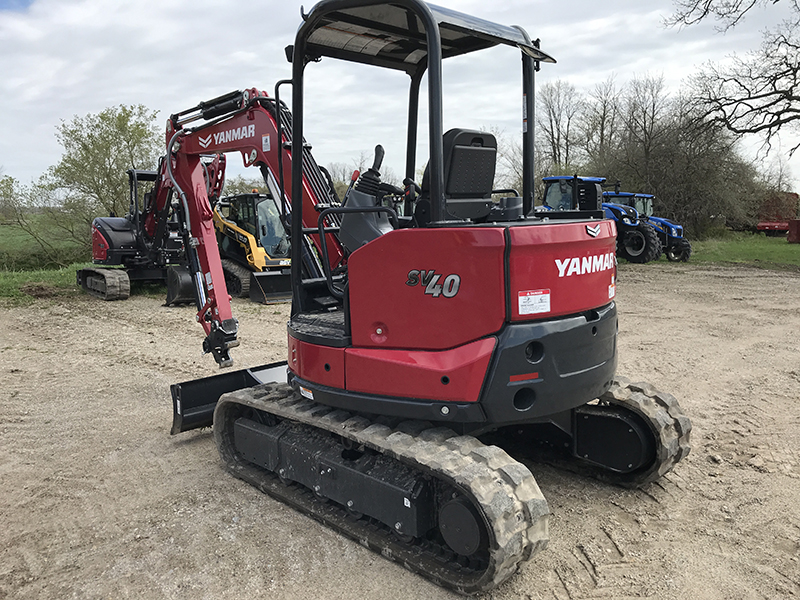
{"points": [[61, 58]]}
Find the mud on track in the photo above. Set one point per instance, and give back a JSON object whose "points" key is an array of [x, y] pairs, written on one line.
{"points": [[98, 501]]}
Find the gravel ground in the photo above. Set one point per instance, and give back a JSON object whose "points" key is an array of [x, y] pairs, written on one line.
{"points": [[99, 501]]}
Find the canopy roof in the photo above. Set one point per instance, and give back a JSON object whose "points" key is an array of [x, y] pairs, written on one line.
{"points": [[570, 178], [393, 36]]}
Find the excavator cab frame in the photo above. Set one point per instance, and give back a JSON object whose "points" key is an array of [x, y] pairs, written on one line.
{"points": [[413, 37]]}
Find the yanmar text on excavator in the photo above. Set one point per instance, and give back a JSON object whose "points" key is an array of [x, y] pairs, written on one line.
{"points": [[426, 344]]}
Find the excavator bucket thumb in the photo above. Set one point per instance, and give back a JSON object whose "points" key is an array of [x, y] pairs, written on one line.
{"points": [[180, 289], [271, 287]]}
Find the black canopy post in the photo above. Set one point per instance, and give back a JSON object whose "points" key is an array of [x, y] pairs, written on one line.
{"points": [[528, 124]]}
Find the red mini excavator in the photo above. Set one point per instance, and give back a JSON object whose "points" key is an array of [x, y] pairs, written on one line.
{"points": [[428, 342]]}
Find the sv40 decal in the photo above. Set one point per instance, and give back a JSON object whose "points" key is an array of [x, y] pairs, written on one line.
{"points": [[430, 280]]}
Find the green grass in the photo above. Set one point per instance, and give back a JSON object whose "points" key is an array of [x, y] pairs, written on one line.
{"points": [[20, 252], [24, 286], [755, 250]]}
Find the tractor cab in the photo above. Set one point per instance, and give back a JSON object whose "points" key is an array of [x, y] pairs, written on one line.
{"points": [[670, 234], [643, 203]]}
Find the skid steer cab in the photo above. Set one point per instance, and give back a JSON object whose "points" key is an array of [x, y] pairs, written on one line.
{"points": [[254, 247], [429, 338]]}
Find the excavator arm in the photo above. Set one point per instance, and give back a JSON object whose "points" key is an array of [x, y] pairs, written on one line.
{"points": [[259, 128], [188, 176]]}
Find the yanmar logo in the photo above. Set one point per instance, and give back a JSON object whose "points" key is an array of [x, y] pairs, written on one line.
{"points": [[229, 135], [593, 231], [585, 264]]}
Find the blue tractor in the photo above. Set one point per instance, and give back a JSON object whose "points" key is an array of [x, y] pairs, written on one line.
{"points": [[637, 239], [676, 246]]}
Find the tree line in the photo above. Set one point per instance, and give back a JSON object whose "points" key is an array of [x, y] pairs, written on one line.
{"points": [[651, 142]]}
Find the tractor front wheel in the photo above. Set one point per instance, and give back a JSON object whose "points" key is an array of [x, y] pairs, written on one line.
{"points": [[639, 244], [679, 250]]}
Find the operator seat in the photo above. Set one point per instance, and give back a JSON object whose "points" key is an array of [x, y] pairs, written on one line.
{"points": [[469, 164]]}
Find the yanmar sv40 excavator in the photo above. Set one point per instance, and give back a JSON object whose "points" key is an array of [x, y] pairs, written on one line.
{"points": [[431, 340]]}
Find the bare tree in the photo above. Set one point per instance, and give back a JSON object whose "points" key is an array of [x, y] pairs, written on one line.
{"points": [[728, 12], [558, 107], [758, 92], [599, 126], [646, 121], [242, 185]]}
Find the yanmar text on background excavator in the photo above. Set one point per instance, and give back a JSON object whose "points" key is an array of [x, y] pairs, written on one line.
{"points": [[421, 344]]}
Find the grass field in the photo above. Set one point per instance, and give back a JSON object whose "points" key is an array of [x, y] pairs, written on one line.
{"points": [[751, 249], [20, 252]]}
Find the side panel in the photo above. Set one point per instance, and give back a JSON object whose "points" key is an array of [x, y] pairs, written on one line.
{"points": [[561, 269], [427, 289], [321, 364], [451, 375], [113, 239]]}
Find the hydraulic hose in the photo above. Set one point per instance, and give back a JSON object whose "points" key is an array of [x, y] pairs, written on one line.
{"points": [[191, 253]]}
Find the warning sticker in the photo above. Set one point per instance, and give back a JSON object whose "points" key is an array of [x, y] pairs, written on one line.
{"points": [[612, 291], [534, 302], [265, 142]]}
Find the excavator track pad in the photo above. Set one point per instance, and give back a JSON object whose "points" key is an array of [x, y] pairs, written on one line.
{"points": [[108, 284], [448, 507], [631, 436]]}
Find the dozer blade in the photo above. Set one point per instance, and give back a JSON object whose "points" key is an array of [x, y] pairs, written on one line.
{"points": [[180, 289], [193, 402], [271, 287]]}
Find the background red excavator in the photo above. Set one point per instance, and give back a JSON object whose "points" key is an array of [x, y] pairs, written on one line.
{"points": [[425, 343]]}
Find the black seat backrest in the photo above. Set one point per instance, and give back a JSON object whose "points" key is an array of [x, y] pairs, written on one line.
{"points": [[469, 165], [590, 195]]}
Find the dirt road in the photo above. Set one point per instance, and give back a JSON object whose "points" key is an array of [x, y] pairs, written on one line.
{"points": [[98, 501]]}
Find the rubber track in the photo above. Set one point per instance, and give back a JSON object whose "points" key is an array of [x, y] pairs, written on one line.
{"points": [[117, 283], [512, 504], [234, 269], [670, 427]]}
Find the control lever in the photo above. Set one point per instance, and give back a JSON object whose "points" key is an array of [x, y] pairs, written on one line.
{"points": [[379, 154], [353, 180], [388, 188]]}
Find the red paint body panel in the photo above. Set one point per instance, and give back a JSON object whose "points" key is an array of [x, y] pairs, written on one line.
{"points": [[99, 245], [308, 361], [773, 226], [407, 317], [418, 374], [536, 263]]}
